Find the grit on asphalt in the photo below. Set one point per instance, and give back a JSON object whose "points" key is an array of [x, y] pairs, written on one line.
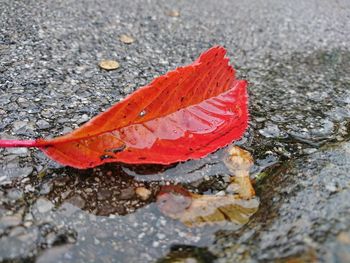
{"points": [[296, 56]]}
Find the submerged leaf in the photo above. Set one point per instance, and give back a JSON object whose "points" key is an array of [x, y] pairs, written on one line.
{"points": [[184, 114], [195, 210], [237, 205], [239, 163]]}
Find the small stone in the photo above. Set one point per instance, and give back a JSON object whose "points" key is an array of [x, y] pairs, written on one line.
{"points": [[331, 188], [103, 194], [23, 127], [46, 188], [126, 39], [127, 193], [8, 221], [88, 190], [65, 194], [18, 125], [76, 200], [66, 130], [83, 118], [61, 181], [109, 64], [28, 223], [47, 113], [108, 210], [29, 188], [143, 193], [17, 231], [67, 209], [21, 100], [344, 238], [96, 241], [155, 244], [42, 124], [53, 254], [260, 119], [270, 131], [14, 194], [21, 151], [43, 205], [310, 150], [161, 236], [15, 172], [173, 13]]}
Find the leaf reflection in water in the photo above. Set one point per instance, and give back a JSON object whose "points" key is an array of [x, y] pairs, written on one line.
{"points": [[195, 210], [237, 204]]}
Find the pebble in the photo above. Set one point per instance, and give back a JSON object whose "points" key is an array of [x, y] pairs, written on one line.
{"points": [[15, 172], [21, 100], [331, 187], [67, 209], [20, 151], [270, 131], [155, 244], [77, 200], [344, 238], [96, 241], [18, 125], [127, 193], [29, 188], [143, 193], [126, 39], [14, 194], [65, 194], [8, 221], [173, 13], [18, 230], [83, 118], [103, 194], [109, 64], [161, 236], [42, 124], [43, 205], [46, 188], [260, 119], [53, 254]]}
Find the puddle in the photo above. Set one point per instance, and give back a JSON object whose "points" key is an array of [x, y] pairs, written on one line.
{"points": [[55, 214], [101, 213]]}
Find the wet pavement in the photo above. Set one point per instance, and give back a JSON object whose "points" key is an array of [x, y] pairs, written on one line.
{"points": [[296, 56]]}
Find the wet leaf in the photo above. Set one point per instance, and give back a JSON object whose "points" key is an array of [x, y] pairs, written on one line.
{"points": [[184, 114], [239, 162], [126, 39], [109, 64], [198, 210]]}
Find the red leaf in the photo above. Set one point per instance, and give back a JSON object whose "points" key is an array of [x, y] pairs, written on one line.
{"points": [[184, 114]]}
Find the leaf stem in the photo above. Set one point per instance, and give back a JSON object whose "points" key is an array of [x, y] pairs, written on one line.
{"points": [[18, 143]]}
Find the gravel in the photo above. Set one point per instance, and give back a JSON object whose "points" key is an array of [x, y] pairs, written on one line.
{"points": [[296, 56]]}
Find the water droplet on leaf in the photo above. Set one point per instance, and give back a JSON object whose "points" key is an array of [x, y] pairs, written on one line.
{"points": [[142, 113]]}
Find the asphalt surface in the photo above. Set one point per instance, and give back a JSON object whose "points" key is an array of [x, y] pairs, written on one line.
{"points": [[296, 56]]}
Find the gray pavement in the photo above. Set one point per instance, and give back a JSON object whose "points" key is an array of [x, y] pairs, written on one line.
{"points": [[296, 56]]}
